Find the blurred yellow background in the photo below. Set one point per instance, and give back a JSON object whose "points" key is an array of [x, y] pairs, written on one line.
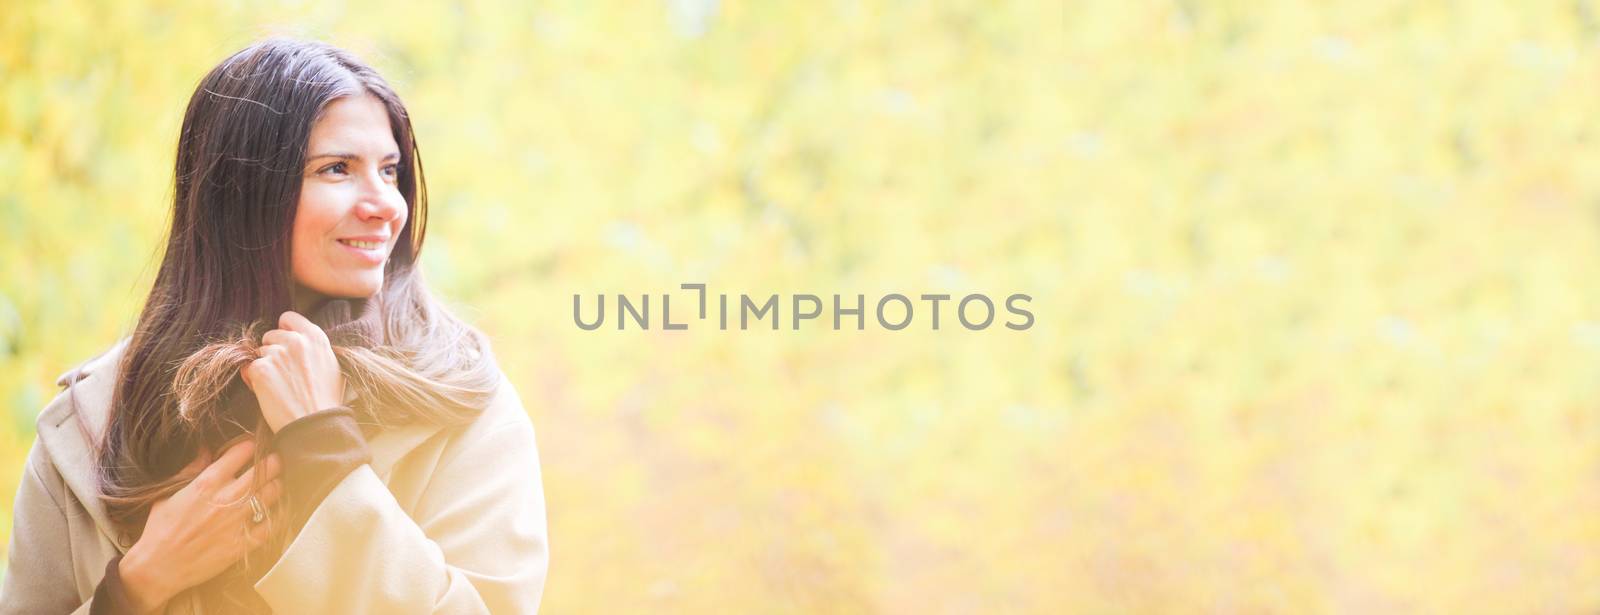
{"points": [[1315, 286]]}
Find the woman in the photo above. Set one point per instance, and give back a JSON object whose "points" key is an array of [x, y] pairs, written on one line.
{"points": [[295, 424]]}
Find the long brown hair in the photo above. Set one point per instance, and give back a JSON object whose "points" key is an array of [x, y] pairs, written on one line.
{"points": [[224, 279]]}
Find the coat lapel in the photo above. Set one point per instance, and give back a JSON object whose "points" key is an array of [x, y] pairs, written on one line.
{"points": [[89, 393]]}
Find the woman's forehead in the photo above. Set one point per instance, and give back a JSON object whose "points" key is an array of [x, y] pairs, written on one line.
{"points": [[353, 125]]}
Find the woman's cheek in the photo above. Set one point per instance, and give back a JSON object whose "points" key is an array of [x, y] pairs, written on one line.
{"points": [[319, 207]]}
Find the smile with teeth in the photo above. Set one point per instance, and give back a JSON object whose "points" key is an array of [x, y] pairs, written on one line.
{"points": [[365, 245]]}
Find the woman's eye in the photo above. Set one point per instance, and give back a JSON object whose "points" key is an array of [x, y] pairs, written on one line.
{"points": [[337, 167], [391, 171]]}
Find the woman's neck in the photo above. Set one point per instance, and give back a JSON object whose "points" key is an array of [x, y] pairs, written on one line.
{"points": [[306, 301]]}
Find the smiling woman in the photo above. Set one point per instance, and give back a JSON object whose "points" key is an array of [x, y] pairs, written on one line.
{"points": [[296, 425], [350, 206]]}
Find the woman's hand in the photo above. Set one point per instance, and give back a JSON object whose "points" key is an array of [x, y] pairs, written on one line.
{"points": [[200, 530], [297, 373]]}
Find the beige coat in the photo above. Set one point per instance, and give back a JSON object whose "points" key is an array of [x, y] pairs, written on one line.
{"points": [[444, 520]]}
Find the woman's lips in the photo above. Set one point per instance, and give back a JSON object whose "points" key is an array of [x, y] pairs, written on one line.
{"points": [[370, 252]]}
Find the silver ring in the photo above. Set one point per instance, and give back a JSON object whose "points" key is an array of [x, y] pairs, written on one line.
{"points": [[258, 513]]}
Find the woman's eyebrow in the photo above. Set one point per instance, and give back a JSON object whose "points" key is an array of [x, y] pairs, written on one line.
{"points": [[350, 156]]}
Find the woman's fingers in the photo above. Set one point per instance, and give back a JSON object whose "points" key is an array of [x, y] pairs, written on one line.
{"points": [[281, 337], [202, 458], [269, 493], [255, 369], [267, 470], [257, 534], [222, 471], [293, 321], [267, 496]]}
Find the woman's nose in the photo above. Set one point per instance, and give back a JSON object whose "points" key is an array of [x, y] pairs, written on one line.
{"points": [[380, 201], [380, 206]]}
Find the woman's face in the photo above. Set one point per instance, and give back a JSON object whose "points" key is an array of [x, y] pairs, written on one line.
{"points": [[351, 211]]}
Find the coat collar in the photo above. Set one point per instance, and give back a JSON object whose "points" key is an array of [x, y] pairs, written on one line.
{"points": [[88, 391]]}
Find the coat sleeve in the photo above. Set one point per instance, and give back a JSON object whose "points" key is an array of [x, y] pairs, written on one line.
{"points": [[475, 543], [39, 572]]}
